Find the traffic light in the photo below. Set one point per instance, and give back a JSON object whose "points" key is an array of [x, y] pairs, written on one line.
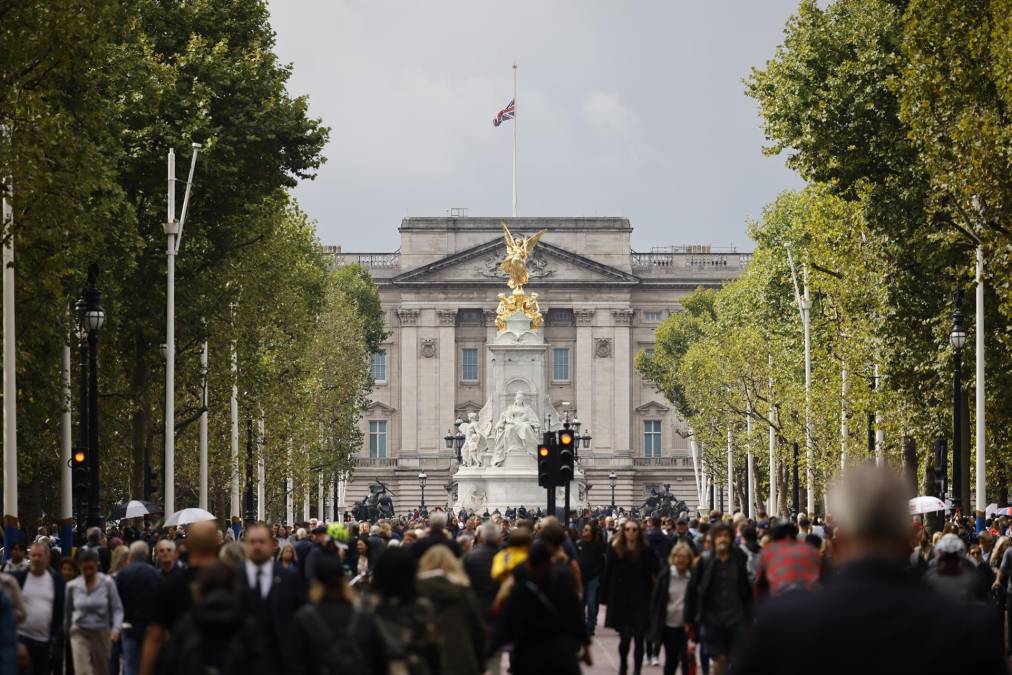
{"points": [[79, 474], [547, 461], [567, 456]]}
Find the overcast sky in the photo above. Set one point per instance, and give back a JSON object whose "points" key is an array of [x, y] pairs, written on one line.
{"points": [[625, 108]]}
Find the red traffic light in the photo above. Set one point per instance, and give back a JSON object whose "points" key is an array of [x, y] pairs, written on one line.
{"points": [[80, 456]]}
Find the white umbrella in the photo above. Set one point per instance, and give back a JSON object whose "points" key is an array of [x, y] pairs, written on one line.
{"points": [[132, 509], [926, 505], [188, 516]]}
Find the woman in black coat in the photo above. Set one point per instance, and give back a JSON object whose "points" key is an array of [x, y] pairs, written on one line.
{"points": [[626, 587], [543, 618]]}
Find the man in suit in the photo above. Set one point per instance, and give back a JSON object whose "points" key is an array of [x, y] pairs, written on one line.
{"points": [[272, 593], [42, 591], [873, 616]]}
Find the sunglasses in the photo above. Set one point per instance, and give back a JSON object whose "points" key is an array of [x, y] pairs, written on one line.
{"points": [[631, 528]]}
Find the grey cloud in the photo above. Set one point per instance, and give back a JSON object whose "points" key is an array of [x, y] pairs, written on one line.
{"points": [[632, 108]]}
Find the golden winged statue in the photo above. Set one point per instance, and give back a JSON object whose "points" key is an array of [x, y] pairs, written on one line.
{"points": [[515, 265], [517, 253]]}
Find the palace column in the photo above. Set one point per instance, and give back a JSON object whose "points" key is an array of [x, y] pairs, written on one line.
{"points": [[408, 319], [584, 384], [446, 402], [622, 442]]}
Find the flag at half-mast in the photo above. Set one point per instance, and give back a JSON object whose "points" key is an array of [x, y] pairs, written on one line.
{"points": [[506, 113]]}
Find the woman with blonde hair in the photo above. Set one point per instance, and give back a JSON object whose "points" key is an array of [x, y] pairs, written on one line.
{"points": [[998, 551], [119, 559], [288, 557], [667, 609], [626, 588], [232, 554], [442, 580]]}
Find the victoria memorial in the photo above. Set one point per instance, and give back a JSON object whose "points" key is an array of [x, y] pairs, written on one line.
{"points": [[601, 303]]}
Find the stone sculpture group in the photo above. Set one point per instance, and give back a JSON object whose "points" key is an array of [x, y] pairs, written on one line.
{"points": [[488, 442]]}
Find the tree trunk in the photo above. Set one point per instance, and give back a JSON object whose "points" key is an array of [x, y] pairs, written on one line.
{"points": [[910, 463], [141, 418], [930, 486], [783, 491]]}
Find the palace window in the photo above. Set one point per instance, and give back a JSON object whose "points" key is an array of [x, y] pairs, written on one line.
{"points": [[377, 439], [469, 365], [559, 316], [653, 316], [560, 364], [652, 438], [470, 317], [378, 366]]}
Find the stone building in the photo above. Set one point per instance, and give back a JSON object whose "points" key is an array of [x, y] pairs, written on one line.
{"points": [[601, 301]]}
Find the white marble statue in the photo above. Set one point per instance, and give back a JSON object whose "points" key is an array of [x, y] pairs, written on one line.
{"points": [[474, 442], [518, 429]]}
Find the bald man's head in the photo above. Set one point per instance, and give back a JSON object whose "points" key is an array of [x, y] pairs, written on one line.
{"points": [[203, 542]]}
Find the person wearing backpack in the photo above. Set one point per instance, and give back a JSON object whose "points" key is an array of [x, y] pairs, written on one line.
{"points": [[332, 636], [217, 636], [406, 621], [543, 618]]}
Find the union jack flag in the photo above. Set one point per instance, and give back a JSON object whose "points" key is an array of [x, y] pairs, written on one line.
{"points": [[506, 113]]}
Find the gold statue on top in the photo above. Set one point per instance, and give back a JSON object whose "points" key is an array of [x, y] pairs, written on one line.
{"points": [[515, 265], [517, 253]]}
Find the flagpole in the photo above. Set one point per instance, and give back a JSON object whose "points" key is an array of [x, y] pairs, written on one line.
{"points": [[514, 140]]}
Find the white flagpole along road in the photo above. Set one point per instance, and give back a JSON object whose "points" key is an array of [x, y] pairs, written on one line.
{"points": [[10, 389], [202, 449], [981, 487], [514, 140], [66, 444], [261, 472]]}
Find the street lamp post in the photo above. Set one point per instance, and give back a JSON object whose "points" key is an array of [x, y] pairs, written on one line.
{"points": [[578, 439], [422, 479], [957, 338], [92, 320], [804, 300], [454, 438], [173, 229], [80, 496], [612, 481]]}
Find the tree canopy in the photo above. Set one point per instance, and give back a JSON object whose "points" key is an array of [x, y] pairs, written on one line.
{"points": [[94, 96]]}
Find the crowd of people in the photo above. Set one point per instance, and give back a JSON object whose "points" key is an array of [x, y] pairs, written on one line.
{"points": [[868, 589]]}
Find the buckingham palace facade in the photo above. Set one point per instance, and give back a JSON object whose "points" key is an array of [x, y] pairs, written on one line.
{"points": [[601, 302]]}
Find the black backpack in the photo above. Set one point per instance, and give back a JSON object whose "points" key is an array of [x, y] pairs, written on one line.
{"points": [[337, 654]]}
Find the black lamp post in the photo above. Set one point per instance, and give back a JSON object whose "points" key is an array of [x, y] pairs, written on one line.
{"points": [[585, 439], [92, 318], [957, 338], [250, 513], [422, 479], [612, 481], [454, 439]]}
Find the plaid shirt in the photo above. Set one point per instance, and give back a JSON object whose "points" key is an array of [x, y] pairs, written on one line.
{"points": [[787, 565]]}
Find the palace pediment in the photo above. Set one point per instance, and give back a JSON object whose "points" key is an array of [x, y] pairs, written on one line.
{"points": [[549, 266]]}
